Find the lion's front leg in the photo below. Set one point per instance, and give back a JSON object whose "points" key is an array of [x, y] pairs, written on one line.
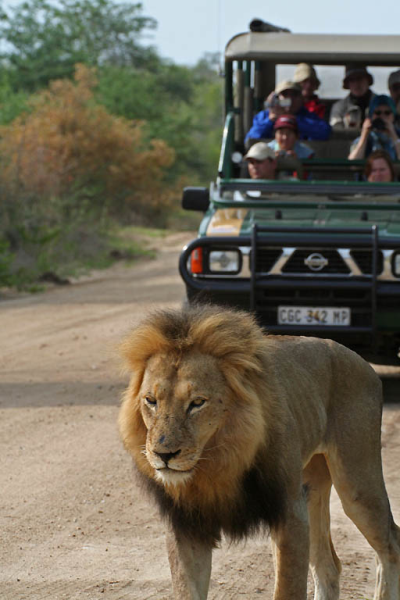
{"points": [[291, 553], [190, 563]]}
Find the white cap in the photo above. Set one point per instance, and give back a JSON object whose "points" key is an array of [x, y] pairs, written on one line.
{"points": [[260, 151]]}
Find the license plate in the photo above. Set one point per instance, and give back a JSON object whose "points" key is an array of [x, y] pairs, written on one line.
{"points": [[313, 315]]}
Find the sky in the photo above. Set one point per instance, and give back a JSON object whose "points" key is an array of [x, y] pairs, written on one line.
{"points": [[187, 29]]}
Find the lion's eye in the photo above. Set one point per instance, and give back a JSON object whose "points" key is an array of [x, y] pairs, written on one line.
{"points": [[150, 401], [197, 403]]}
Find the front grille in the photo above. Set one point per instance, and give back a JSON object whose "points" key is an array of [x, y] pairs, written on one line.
{"points": [[363, 258], [265, 258], [321, 297], [336, 264]]}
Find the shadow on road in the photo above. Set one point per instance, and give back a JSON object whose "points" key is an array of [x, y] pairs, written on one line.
{"points": [[391, 389], [65, 393]]}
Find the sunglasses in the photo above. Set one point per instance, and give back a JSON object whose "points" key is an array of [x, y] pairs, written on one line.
{"points": [[378, 113]]}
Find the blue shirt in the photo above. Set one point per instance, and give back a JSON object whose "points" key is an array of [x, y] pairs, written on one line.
{"points": [[302, 150], [378, 141], [311, 127]]}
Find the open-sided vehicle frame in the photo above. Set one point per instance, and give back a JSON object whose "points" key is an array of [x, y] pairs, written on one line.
{"points": [[319, 256]]}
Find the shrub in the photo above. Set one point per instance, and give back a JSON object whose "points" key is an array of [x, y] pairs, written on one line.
{"points": [[68, 169], [69, 147]]}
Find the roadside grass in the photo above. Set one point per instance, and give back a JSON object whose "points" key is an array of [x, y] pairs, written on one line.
{"points": [[74, 254], [131, 243], [149, 232], [184, 220]]}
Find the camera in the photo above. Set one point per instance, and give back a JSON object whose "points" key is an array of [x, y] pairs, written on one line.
{"points": [[379, 124], [277, 101]]}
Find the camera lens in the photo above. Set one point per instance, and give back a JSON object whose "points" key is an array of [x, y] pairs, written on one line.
{"points": [[378, 124]]}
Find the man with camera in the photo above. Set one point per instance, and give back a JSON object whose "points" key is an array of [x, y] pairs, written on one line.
{"points": [[378, 131], [287, 99]]}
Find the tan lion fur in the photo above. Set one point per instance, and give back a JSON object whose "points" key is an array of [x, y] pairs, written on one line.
{"points": [[239, 350], [233, 431]]}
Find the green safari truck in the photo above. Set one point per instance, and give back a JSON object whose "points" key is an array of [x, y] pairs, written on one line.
{"points": [[314, 256]]}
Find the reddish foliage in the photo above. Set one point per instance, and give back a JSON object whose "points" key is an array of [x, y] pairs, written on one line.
{"points": [[67, 143]]}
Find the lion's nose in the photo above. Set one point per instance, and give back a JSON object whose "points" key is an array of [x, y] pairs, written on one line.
{"points": [[166, 456]]}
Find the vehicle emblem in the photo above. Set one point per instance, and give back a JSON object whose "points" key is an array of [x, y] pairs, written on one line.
{"points": [[316, 262]]}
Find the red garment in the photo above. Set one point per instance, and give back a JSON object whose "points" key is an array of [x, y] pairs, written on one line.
{"points": [[316, 106]]}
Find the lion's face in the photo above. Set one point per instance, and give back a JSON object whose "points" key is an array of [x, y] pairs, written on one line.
{"points": [[183, 404]]}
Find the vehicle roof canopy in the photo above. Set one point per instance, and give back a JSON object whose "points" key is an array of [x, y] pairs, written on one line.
{"points": [[330, 49]]}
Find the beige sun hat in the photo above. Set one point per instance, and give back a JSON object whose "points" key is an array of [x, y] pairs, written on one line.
{"points": [[260, 151], [305, 71], [287, 85]]}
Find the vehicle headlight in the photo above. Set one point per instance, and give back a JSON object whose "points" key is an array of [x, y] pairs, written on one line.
{"points": [[396, 264], [224, 261]]}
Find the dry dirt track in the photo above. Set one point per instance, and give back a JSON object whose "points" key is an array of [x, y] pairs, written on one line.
{"points": [[72, 525]]}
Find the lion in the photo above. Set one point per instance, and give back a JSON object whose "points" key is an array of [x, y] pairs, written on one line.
{"points": [[234, 431]]}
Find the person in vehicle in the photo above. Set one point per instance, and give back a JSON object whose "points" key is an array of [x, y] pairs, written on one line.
{"points": [[378, 131], [287, 99], [379, 167], [394, 89], [306, 76], [358, 81], [286, 142], [261, 161]]}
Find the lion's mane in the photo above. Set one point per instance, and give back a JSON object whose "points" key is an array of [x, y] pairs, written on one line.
{"points": [[243, 488]]}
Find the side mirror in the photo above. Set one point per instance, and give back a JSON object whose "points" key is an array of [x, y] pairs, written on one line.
{"points": [[196, 198]]}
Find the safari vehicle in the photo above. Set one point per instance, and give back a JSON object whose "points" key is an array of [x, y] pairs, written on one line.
{"points": [[319, 256]]}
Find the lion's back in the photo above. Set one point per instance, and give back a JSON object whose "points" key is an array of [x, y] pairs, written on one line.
{"points": [[324, 362], [316, 377]]}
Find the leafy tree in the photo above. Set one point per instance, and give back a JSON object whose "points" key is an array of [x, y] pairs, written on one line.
{"points": [[12, 103], [177, 104], [69, 147], [68, 170], [46, 40], [180, 105], [115, 138]]}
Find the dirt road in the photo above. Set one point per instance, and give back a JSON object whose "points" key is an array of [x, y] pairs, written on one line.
{"points": [[72, 525]]}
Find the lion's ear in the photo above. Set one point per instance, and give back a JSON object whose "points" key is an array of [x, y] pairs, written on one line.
{"points": [[142, 343]]}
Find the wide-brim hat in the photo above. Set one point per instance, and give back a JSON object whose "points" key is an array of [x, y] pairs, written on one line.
{"points": [[287, 85], [352, 70], [305, 71], [260, 151]]}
